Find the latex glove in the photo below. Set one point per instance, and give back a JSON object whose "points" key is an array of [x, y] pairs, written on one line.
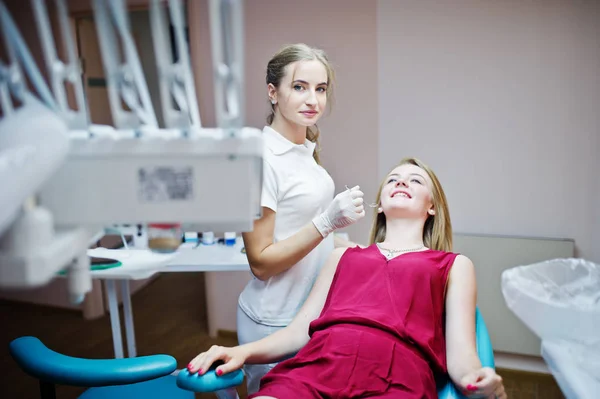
{"points": [[232, 358], [483, 383], [345, 209]]}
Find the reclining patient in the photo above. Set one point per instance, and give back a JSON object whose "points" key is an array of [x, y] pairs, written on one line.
{"points": [[386, 321]]}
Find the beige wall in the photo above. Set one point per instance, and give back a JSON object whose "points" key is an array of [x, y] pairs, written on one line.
{"points": [[346, 29], [501, 98], [596, 220]]}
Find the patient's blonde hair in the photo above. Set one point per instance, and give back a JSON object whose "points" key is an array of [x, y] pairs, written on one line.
{"points": [[437, 232]]}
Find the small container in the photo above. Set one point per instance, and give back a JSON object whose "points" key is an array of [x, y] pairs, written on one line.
{"points": [[140, 238], [208, 238], [230, 239], [164, 237], [190, 237]]}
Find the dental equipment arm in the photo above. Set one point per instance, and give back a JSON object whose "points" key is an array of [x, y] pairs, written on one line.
{"points": [[33, 144], [78, 178], [124, 77], [58, 71], [175, 78]]}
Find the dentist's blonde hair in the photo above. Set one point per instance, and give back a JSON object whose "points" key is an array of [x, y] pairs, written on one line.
{"points": [[437, 232], [276, 71]]}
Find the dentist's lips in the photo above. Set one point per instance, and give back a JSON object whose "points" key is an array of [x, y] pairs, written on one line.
{"points": [[400, 192], [309, 114]]}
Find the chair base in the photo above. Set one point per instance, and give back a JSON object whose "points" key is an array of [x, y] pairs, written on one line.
{"points": [[159, 388]]}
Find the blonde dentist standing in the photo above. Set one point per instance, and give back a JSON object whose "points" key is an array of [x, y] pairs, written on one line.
{"points": [[292, 240]]}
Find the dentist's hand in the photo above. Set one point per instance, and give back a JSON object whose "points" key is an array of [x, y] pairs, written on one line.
{"points": [[233, 359], [345, 209]]}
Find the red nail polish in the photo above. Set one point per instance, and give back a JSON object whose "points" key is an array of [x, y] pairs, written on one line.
{"points": [[471, 387], [219, 372], [199, 371], [189, 366]]}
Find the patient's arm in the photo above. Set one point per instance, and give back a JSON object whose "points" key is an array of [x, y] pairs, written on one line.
{"points": [[291, 339], [464, 365], [461, 297], [280, 344]]}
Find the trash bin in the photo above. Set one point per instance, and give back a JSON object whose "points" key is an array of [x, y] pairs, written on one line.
{"points": [[559, 300]]}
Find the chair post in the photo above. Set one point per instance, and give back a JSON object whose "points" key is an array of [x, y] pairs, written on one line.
{"points": [[228, 393], [47, 390]]}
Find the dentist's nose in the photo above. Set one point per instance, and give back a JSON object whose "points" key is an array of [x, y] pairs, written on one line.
{"points": [[312, 98]]}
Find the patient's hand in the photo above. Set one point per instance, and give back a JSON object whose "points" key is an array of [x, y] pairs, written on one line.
{"points": [[483, 383], [231, 359]]}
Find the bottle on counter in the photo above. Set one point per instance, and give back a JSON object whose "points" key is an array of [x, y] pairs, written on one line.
{"points": [[230, 238], [208, 238], [164, 237]]}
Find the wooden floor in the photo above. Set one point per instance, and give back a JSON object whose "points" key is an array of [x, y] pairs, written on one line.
{"points": [[170, 317]]}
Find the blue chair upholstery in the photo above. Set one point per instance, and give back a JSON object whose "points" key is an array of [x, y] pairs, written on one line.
{"points": [[209, 382], [45, 364], [161, 388], [145, 376]]}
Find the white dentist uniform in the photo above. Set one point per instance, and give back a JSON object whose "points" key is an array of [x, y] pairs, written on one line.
{"points": [[297, 189]]}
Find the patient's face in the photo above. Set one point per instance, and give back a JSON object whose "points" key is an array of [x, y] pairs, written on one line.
{"points": [[407, 192], [302, 94]]}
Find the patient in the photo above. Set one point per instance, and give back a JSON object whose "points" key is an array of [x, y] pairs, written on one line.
{"points": [[387, 321]]}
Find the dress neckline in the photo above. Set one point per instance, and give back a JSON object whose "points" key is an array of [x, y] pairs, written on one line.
{"points": [[376, 248]]}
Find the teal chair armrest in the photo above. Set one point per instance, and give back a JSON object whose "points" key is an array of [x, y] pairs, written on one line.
{"points": [[485, 352], [210, 381], [43, 363]]}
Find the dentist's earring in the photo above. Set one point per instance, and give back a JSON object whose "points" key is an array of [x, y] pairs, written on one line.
{"points": [[380, 209], [273, 101], [431, 212]]}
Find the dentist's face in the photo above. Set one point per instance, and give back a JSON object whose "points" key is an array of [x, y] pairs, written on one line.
{"points": [[301, 97]]}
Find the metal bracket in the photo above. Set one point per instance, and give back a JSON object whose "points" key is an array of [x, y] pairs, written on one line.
{"points": [[60, 72], [12, 79], [124, 74], [226, 30], [176, 82]]}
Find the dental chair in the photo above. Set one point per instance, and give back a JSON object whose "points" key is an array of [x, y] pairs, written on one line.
{"points": [[156, 377]]}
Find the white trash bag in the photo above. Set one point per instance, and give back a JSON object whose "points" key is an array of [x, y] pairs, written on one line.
{"points": [[559, 300]]}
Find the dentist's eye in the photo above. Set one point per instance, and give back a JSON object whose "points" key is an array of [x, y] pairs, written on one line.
{"points": [[298, 87], [321, 89]]}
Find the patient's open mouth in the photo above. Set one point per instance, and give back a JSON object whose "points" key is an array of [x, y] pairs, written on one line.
{"points": [[400, 193]]}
